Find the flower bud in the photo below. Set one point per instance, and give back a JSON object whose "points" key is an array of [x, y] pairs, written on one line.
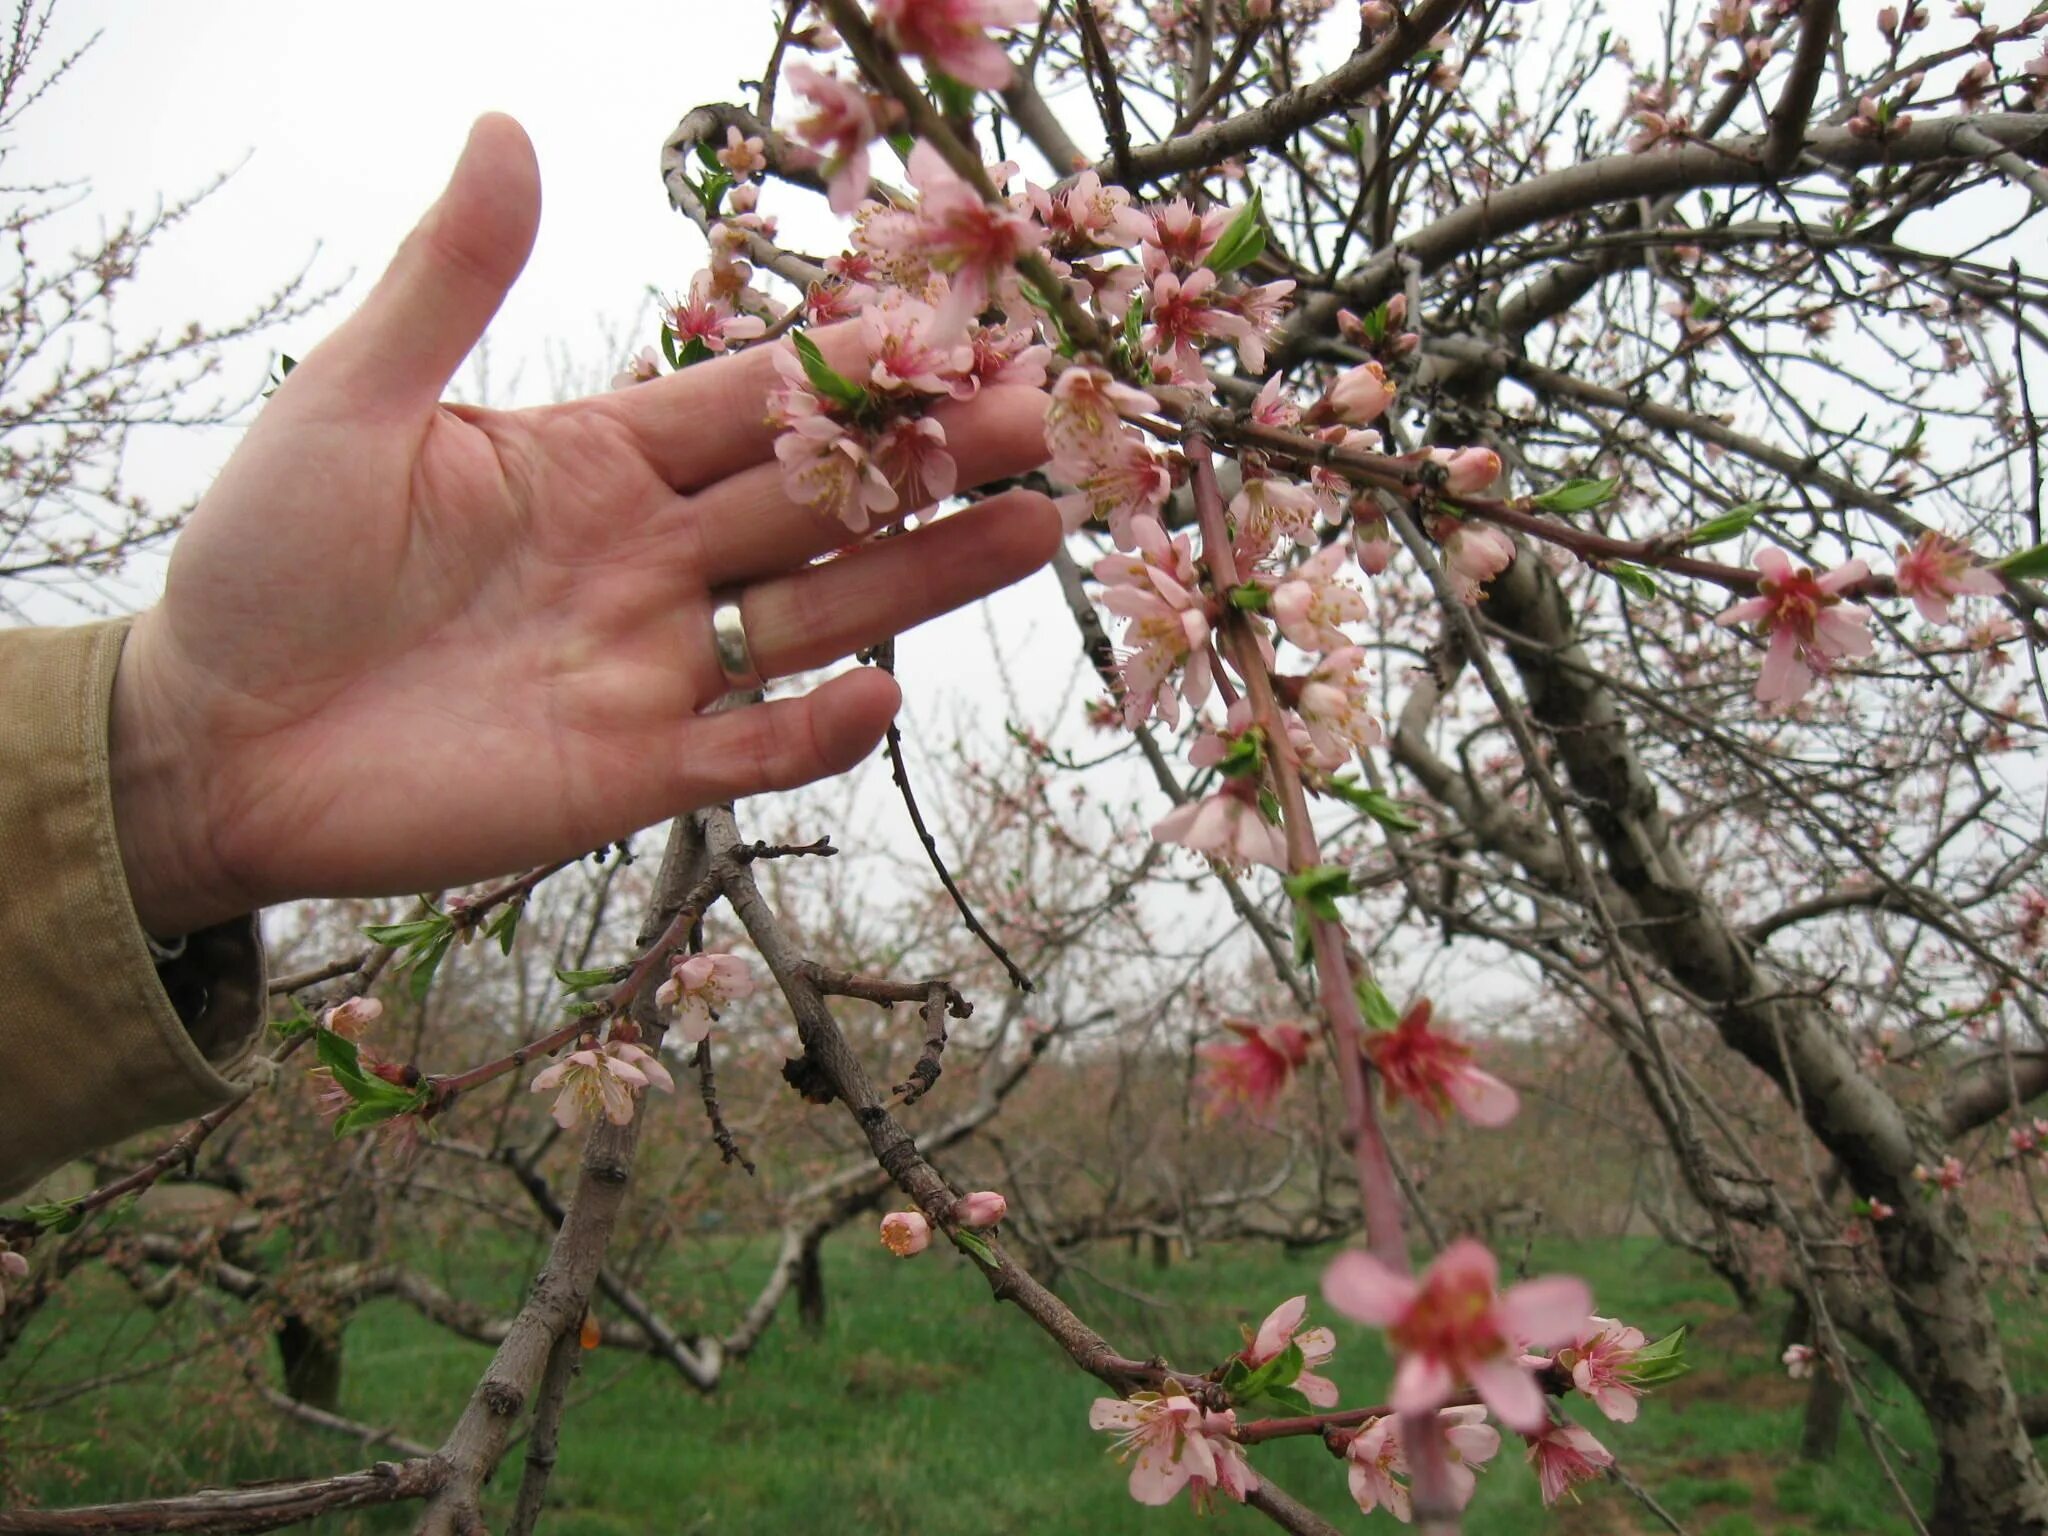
{"points": [[905, 1233], [1468, 471], [983, 1208], [1360, 395], [15, 1267], [351, 1018]]}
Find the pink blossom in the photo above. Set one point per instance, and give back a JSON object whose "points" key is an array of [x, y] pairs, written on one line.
{"points": [[1087, 214], [1175, 1444], [951, 35], [640, 368], [1265, 510], [1948, 1177], [958, 234], [1564, 1454], [1601, 1360], [1360, 395], [1003, 354], [1228, 826], [826, 465], [700, 985], [1810, 626], [1274, 407], [911, 455], [742, 154], [1878, 1211], [1435, 1071], [1281, 1328], [1372, 543], [1254, 1070], [905, 1233], [1936, 571], [1261, 307], [1451, 1324], [843, 122], [1128, 484], [12, 1267], [983, 1208], [1333, 706], [1798, 1360], [709, 319], [1168, 629], [601, 1080], [901, 338], [1309, 602], [1234, 1476], [1474, 553], [1185, 314], [1180, 237], [1083, 424], [351, 1018], [1467, 471], [1377, 1459]]}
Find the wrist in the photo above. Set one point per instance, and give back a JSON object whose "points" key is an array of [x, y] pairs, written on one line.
{"points": [[157, 779]]}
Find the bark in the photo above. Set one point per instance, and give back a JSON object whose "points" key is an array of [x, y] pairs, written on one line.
{"points": [[1990, 1480], [810, 1285], [311, 1355]]}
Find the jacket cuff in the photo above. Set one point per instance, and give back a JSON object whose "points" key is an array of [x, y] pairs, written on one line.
{"points": [[92, 1047]]}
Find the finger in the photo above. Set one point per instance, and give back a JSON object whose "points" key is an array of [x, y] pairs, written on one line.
{"points": [[427, 311], [816, 616], [747, 528], [787, 742], [702, 423]]}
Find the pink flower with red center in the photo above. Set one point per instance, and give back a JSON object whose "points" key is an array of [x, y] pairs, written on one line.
{"points": [[1811, 628], [1451, 1325], [1878, 1211], [952, 35], [901, 336], [1798, 1360], [1003, 354], [1563, 1455], [742, 154], [1602, 1362], [1265, 511], [1168, 627], [1377, 1459], [974, 244], [601, 1080], [844, 120], [1250, 1073], [1936, 571], [1180, 237], [707, 318], [828, 466], [1087, 214], [911, 454], [1125, 486], [1174, 1444], [1948, 1176], [640, 368], [1309, 602], [700, 985], [1360, 396], [1186, 313], [1435, 1071], [1261, 307], [1474, 553], [1228, 826], [1281, 1328], [1084, 422], [1234, 1476], [830, 301], [1274, 407], [905, 1233]]}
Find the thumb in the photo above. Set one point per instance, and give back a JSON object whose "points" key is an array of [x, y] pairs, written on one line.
{"points": [[399, 350]]}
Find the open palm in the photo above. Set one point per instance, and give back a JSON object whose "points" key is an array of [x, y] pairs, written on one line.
{"points": [[405, 645]]}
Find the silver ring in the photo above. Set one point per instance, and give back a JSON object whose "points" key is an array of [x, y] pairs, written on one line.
{"points": [[729, 644]]}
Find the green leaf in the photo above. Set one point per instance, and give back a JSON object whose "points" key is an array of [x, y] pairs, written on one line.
{"points": [[56, 1215], [1663, 1360], [1316, 890], [1634, 580], [1244, 757], [1377, 1007], [825, 379], [1242, 241], [406, 934], [291, 1027], [577, 981], [1735, 520], [364, 1115], [427, 960], [693, 352], [1575, 496], [973, 1243], [2027, 563], [709, 157], [285, 364], [338, 1055], [505, 927], [1250, 598], [1287, 1400], [903, 144], [668, 346], [953, 97], [1304, 940], [1378, 804]]}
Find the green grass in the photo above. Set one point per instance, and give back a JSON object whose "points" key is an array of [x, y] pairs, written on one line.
{"points": [[924, 1407]]}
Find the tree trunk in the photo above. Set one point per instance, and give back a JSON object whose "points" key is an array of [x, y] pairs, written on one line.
{"points": [[311, 1354], [1990, 1482], [1822, 1428], [810, 1285]]}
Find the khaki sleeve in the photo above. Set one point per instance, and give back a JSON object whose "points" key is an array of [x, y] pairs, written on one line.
{"points": [[92, 1048]]}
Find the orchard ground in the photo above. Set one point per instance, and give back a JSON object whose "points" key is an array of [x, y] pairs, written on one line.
{"points": [[924, 1407]]}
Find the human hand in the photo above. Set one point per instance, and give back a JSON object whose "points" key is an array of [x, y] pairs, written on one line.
{"points": [[406, 645]]}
